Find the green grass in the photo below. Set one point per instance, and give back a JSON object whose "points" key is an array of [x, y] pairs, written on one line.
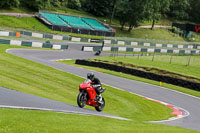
{"points": [[26, 76], [21, 121], [13, 37], [163, 21], [24, 23], [157, 33], [178, 63], [30, 23], [17, 10], [173, 87], [34, 25]]}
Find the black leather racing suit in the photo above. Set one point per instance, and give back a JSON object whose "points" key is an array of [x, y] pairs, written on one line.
{"points": [[97, 85]]}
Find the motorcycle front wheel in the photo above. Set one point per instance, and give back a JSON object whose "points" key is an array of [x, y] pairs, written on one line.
{"points": [[100, 106], [81, 99]]}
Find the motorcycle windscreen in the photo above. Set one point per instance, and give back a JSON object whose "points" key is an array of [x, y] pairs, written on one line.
{"points": [[87, 81]]}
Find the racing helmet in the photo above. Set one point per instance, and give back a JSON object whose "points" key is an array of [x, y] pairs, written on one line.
{"points": [[90, 76]]}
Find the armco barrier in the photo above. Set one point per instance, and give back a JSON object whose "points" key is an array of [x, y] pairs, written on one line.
{"points": [[143, 44], [139, 73], [136, 49], [47, 36], [119, 42], [7, 33], [32, 44]]}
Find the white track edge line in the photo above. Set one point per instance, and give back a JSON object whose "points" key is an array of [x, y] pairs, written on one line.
{"points": [[172, 118], [144, 96], [61, 111]]}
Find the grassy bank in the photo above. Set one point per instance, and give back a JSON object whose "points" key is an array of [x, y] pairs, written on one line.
{"points": [[30, 23], [33, 78], [34, 25], [20, 121], [157, 33]]}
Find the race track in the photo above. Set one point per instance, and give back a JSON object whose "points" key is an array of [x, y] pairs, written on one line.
{"points": [[184, 101]]}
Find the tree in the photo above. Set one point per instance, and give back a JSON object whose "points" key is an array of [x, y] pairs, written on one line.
{"points": [[194, 10], [155, 9], [122, 12], [131, 12], [112, 9], [9, 3], [136, 13], [98, 7], [74, 4], [179, 9]]}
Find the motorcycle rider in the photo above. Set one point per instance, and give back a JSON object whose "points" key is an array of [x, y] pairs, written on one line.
{"points": [[96, 84]]}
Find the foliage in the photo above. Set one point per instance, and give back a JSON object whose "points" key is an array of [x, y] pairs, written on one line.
{"points": [[155, 10], [179, 9], [74, 4], [9, 3], [130, 12], [194, 13], [98, 7]]}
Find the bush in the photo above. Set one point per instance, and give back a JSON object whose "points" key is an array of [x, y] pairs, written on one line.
{"points": [[74, 4], [173, 29]]}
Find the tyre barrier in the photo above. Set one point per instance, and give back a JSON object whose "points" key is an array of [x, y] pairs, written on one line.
{"points": [[142, 74], [32, 44]]}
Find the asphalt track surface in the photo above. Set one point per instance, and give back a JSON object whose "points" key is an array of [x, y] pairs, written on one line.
{"points": [[184, 101]]}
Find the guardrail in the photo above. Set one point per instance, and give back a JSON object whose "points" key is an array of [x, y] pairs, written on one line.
{"points": [[32, 44], [118, 42], [111, 42], [136, 49], [7, 33]]}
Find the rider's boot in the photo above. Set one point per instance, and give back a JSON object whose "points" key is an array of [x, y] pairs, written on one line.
{"points": [[100, 98]]}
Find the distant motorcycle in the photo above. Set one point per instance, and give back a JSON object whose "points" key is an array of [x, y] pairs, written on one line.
{"points": [[88, 95], [97, 53]]}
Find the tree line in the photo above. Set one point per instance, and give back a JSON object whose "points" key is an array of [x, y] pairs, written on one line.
{"points": [[128, 12]]}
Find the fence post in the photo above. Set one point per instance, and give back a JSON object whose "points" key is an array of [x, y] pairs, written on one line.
{"points": [[188, 63], [125, 55], [153, 57], [171, 60]]}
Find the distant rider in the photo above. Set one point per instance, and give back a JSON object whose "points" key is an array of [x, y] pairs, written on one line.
{"points": [[96, 84]]}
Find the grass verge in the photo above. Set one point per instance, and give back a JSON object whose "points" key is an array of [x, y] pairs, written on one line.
{"points": [[185, 65], [21, 121], [27, 76], [157, 33], [173, 87]]}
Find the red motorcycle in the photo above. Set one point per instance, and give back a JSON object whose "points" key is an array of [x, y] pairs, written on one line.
{"points": [[89, 96]]}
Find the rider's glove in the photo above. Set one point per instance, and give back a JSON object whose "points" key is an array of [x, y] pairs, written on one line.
{"points": [[95, 86]]}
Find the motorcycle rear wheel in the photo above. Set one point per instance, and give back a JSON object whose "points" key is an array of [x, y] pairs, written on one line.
{"points": [[81, 99], [100, 106]]}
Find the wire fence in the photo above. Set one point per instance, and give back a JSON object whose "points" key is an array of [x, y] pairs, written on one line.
{"points": [[149, 40], [178, 59]]}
